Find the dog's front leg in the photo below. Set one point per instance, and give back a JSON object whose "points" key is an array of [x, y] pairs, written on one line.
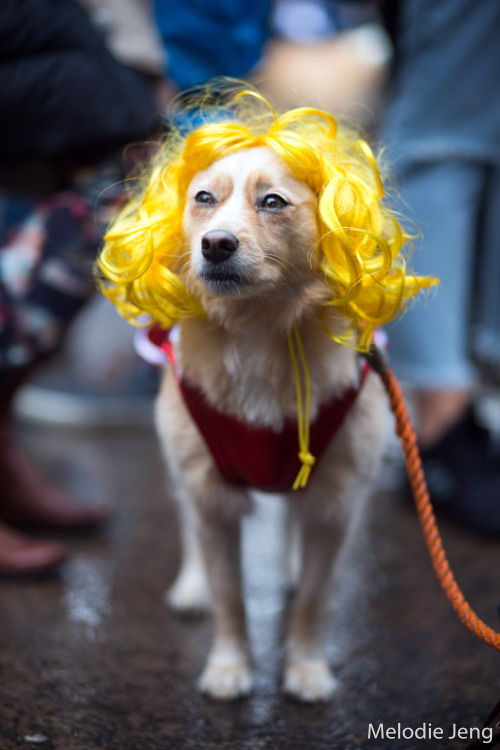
{"points": [[227, 674], [307, 673]]}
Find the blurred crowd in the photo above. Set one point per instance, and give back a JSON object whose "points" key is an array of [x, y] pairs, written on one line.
{"points": [[82, 81]]}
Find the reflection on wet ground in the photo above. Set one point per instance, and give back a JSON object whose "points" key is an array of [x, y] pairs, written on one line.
{"points": [[94, 659]]}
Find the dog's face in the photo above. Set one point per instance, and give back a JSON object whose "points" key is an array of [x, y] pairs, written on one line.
{"points": [[249, 227]]}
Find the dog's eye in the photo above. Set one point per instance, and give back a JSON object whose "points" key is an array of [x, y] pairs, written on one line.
{"points": [[273, 202], [204, 198]]}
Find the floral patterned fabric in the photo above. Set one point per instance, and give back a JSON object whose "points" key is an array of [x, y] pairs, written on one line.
{"points": [[46, 265]]}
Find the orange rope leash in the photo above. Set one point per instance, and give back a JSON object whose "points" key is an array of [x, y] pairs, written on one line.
{"points": [[423, 504]]}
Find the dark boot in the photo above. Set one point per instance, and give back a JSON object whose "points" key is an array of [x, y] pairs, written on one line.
{"points": [[20, 556], [463, 476], [27, 499]]}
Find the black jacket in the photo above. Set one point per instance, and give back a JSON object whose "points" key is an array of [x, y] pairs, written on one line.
{"points": [[62, 94]]}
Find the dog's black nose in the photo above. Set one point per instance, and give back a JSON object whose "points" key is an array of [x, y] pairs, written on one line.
{"points": [[218, 245]]}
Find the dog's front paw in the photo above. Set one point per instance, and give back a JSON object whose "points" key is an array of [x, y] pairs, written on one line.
{"points": [[189, 594], [227, 676], [309, 680]]}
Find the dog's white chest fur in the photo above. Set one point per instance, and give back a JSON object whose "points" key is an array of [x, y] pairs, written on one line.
{"points": [[251, 376]]}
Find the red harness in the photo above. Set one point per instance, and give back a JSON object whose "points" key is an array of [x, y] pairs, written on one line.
{"points": [[258, 457]]}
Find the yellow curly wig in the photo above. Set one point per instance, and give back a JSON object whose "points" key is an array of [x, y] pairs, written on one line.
{"points": [[361, 241]]}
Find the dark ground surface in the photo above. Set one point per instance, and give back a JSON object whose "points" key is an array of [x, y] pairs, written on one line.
{"points": [[94, 659]]}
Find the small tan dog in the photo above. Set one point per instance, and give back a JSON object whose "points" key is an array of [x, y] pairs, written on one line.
{"points": [[248, 254]]}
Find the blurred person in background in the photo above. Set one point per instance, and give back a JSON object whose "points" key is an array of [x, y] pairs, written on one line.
{"points": [[442, 130], [72, 100], [68, 109], [326, 54], [71, 107], [73, 94], [96, 378]]}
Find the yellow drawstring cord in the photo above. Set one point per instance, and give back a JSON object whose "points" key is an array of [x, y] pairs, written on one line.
{"points": [[303, 410]]}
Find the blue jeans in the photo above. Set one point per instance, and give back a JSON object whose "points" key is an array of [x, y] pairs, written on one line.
{"points": [[456, 206]]}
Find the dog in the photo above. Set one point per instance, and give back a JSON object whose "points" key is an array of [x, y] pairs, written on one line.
{"points": [[265, 240]]}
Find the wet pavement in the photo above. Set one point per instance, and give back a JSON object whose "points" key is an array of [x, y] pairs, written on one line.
{"points": [[94, 659]]}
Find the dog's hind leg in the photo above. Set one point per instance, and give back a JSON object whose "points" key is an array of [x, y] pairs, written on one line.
{"points": [[190, 591], [292, 550]]}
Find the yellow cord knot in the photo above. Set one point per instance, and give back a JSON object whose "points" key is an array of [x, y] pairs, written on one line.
{"points": [[307, 459]]}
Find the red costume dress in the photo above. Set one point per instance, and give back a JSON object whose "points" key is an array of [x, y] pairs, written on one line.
{"points": [[257, 457]]}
